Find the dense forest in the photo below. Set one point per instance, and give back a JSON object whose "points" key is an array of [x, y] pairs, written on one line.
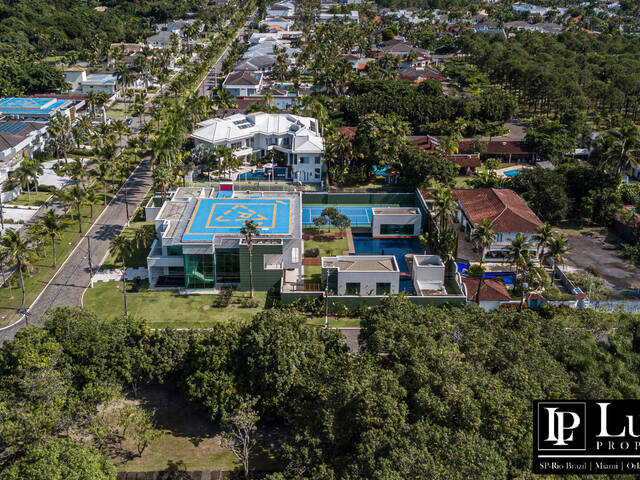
{"points": [[450, 398], [37, 33]]}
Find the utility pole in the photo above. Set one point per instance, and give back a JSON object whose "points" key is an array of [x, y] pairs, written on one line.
{"points": [[326, 304], [126, 200], [89, 258], [525, 285]]}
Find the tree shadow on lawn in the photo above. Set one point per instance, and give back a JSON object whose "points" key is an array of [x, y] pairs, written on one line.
{"points": [[174, 413]]}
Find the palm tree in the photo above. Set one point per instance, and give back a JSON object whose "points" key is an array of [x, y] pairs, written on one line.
{"points": [[145, 236], [59, 128], [102, 171], [19, 253], [557, 248], [92, 199], [120, 248], [483, 236], [91, 100], [621, 147], [544, 233], [519, 253], [77, 196], [249, 231], [120, 128], [24, 175], [163, 178], [477, 271], [444, 204], [124, 76], [52, 226]]}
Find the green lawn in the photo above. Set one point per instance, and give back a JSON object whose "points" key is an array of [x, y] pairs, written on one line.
{"points": [[138, 258], [117, 111], [167, 308], [313, 274], [335, 322], [328, 247], [42, 270], [461, 182], [37, 199]]}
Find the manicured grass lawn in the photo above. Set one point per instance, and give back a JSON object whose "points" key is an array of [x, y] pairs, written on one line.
{"points": [[138, 258], [117, 111], [335, 322], [328, 247], [42, 271], [167, 308], [37, 199], [313, 274]]}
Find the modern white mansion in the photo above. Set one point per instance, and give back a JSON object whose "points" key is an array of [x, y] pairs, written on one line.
{"points": [[297, 138]]}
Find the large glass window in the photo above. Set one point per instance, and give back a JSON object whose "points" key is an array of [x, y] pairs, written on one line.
{"points": [[199, 271], [352, 288], [383, 288], [227, 265], [174, 250], [393, 229]]}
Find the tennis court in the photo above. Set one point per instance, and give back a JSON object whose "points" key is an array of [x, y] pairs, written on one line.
{"points": [[226, 216], [360, 216]]}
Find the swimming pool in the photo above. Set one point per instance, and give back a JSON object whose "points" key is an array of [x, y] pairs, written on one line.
{"points": [[398, 247], [512, 173], [508, 278]]}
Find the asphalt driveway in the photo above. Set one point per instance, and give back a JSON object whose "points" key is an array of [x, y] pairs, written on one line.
{"points": [[601, 253]]}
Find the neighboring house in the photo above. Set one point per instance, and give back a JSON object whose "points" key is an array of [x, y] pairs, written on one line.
{"points": [[262, 64], [95, 82], [400, 48], [37, 109], [176, 26], [361, 275], [418, 75], [508, 213], [163, 39], [243, 83], [493, 292], [353, 16], [197, 250], [296, 138], [281, 9], [279, 22], [488, 27], [18, 141], [126, 51], [357, 62], [550, 28]]}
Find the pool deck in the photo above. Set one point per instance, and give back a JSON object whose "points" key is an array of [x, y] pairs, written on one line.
{"points": [[500, 172]]}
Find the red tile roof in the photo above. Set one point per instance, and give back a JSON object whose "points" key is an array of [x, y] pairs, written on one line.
{"points": [[465, 160], [506, 210], [497, 147], [493, 289]]}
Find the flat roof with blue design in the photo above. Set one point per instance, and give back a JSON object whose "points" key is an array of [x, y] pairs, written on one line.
{"points": [[226, 216], [31, 106]]}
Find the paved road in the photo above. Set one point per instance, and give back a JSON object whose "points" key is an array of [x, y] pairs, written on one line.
{"points": [[69, 283], [209, 82]]}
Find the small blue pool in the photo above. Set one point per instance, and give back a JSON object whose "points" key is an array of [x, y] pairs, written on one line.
{"points": [[508, 278], [398, 247], [511, 173]]}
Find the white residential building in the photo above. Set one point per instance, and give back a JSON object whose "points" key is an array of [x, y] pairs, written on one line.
{"points": [[241, 84], [361, 275], [297, 138]]}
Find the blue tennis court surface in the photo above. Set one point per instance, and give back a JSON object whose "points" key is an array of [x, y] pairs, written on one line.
{"points": [[359, 216], [226, 216]]}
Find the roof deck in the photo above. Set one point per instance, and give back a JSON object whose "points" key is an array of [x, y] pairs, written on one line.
{"points": [[362, 263]]}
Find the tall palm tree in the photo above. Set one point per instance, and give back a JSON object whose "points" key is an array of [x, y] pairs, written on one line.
{"points": [[145, 236], [444, 204], [18, 252], [52, 227], [519, 253], [483, 236], [557, 248], [544, 233], [249, 231], [24, 175], [121, 248], [76, 196], [477, 271], [621, 147], [103, 172], [59, 128], [163, 177], [92, 199]]}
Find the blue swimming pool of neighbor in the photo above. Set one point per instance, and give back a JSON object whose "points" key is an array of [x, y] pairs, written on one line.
{"points": [[511, 173], [507, 277]]}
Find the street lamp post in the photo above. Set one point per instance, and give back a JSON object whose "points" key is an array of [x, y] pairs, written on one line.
{"points": [[126, 201], [89, 258], [326, 304]]}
